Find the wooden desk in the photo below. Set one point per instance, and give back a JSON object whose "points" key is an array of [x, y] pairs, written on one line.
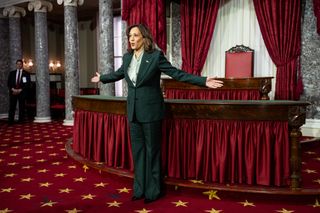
{"points": [[202, 140], [247, 89]]}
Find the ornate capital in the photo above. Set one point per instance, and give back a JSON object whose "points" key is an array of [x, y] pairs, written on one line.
{"points": [[14, 11], [40, 6], [73, 3]]}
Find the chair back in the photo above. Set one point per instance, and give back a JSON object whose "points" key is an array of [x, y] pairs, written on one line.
{"points": [[239, 62]]}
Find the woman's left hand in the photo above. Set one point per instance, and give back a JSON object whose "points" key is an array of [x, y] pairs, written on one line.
{"points": [[213, 83]]}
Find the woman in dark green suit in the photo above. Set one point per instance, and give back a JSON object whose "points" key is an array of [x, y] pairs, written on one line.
{"points": [[142, 67]]}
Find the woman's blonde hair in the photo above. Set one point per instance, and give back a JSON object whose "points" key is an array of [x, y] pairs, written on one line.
{"points": [[146, 34]]}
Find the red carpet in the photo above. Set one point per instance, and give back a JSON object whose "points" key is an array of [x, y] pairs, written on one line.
{"points": [[36, 175]]}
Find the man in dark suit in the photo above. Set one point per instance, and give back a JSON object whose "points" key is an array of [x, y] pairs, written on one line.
{"points": [[142, 67], [18, 84]]}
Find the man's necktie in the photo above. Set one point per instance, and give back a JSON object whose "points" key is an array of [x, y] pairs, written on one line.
{"points": [[18, 79]]}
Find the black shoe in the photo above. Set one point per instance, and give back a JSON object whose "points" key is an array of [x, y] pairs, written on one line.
{"points": [[134, 198], [147, 200]]}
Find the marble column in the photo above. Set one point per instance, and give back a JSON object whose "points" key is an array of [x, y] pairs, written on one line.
{"points": [[15, 44], [310, 63], [71, 53], [41, 60], [175, 28], [4, 65], [124, 26], [106, 47]]}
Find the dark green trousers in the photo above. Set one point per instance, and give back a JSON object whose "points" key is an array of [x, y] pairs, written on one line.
{"points": [[146, 151]]}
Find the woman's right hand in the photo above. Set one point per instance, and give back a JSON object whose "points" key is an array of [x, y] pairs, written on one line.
{"points": [[96, 78]]}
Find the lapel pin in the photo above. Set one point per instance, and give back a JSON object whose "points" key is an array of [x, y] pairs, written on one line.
{"points": [[147, 61]]}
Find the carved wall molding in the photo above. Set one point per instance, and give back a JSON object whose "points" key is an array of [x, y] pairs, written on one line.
{"points": [[14, 11], [40, 6], [73, 3]]}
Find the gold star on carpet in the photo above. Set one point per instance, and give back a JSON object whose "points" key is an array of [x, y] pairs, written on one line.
{"points": [[1, 160], [213, 211], [15, 147], [317, 181], [50, 147], [49, 203], [26, 150], [56, 163], [246, 203], [72, 167], [180, 203], [26, 157], [53, 154], [316, 204], [285, 211], [4, 145], [317, 159], [12, 164], [211, 194], [85, 168], [7, 190], [14, 155], [66, 190], [47, 184], [39, 152], [143, 211], [26, 167], [60, 175], [80, 179], [310, 153], [125, 190], [101, 184], [27, 196], [309, 171], [43, 171], [6, 210], [73, 210], [114, 204], [26, 179], [197, 181], [10, 175], [2, 152], [41, 160], [88, 196]]}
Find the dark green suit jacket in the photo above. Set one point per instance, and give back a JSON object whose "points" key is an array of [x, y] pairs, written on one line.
{"points": [[145, 99]]}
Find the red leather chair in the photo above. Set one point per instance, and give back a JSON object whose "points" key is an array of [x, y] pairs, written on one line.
{"points": [[239, 62]]}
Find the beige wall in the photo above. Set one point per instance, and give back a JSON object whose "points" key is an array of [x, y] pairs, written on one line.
{"points": [[88, 53]]}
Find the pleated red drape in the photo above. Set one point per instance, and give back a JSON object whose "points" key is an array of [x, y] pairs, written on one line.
{"points": [[222, 151], [279, 22], [103, 137], [152, 13], [198, 19], [316, 8], [213, 94]]}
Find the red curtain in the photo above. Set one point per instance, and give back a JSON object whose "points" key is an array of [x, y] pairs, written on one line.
{"points": [[223, 151], [280, 26], [152, 13], [316, 7], [213, 94], [103, 137], [198, 19]]}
